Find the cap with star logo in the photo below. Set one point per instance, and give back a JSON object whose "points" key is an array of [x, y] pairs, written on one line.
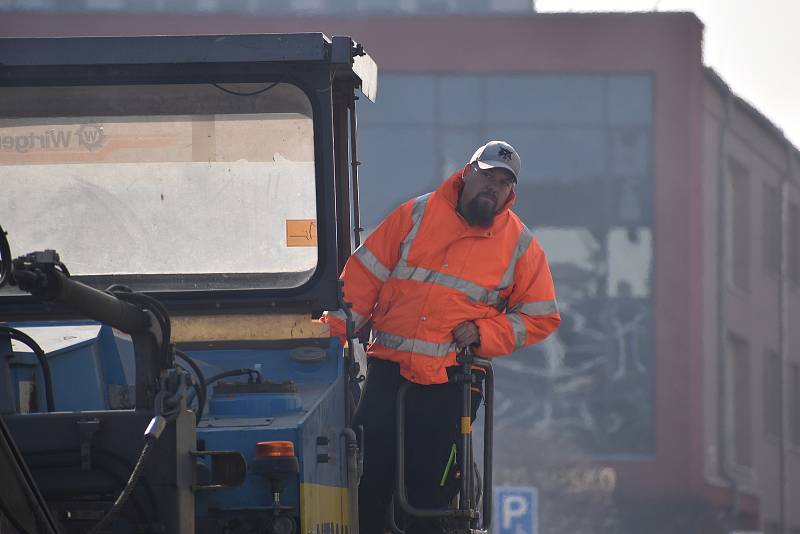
{"points": [[496, 154]]}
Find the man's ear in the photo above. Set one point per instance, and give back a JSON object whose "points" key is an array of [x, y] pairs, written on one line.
{"points": [[468, 170]]}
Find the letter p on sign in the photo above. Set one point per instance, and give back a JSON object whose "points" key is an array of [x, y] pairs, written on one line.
{"points": [[514, 506], [515, 510]]}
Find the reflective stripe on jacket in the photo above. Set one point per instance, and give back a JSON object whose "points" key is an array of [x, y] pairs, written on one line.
{"points": [[424, 271]]}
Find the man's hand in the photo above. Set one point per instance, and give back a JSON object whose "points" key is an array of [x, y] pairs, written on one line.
{"points": [[466, 334]]}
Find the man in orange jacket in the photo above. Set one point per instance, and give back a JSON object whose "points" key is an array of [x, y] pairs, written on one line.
{"points": [[446, 270]]}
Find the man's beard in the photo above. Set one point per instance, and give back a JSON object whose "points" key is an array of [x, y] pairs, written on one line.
{"points": [[479, 213]]}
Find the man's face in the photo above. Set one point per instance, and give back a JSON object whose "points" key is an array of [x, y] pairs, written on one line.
{"points": [[485, 191]]}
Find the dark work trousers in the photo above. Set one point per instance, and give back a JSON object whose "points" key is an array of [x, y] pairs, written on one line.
{"points": [[433, 415]]}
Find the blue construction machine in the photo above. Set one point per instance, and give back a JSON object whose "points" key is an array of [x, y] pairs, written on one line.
{"points": [[175, 213]]}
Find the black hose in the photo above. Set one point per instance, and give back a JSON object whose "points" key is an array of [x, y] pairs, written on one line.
{"points": [[148, 488], [5, 258], [22, 337], [118, 480], [234, 372], [158, 310], [149, 443], [100, 458], [201, 392]]}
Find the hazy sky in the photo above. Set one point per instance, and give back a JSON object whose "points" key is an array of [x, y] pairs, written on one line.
{"points": [[753, 44]]}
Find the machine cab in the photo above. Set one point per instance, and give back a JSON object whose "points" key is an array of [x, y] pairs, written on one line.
{"points": [[215, 176]]}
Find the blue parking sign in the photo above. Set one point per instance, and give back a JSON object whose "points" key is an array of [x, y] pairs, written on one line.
{"points": [[515, 510]]}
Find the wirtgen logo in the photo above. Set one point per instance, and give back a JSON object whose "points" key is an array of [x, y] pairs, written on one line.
{"points": [[87, 136]]}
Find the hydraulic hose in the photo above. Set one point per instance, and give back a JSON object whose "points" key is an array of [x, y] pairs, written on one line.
{"points": [[234, 372], [101, 458], [151, 435], [128, 489], [201, 390], [138, 512], [22, 337]]}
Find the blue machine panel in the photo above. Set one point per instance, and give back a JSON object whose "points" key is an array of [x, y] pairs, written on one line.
{"points": [[92, 368], [92, 365], [312, 418]]}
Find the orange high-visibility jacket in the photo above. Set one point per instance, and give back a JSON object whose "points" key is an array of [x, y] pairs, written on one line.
{"points": [[424, 271]]}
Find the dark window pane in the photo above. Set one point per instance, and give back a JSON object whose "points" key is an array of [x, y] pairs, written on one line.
{"points": [[308, 6], [398, 164], [545, 99], [740, 227], [437, 7], [794, 244], [630, 202], [511, 6], [404, 99], [630, 99], [378, 6], [470, 6], [106, 5], [771, 220], [460, 100], [50, 5], [557, 155], [794, 408], [772, 400], [630, 151], [740, 365]]}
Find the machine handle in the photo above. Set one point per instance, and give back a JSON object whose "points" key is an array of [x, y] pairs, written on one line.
{"points": [[467, 361]]}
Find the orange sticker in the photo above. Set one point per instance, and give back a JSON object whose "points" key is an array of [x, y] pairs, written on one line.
{"points": [[301, 233]]}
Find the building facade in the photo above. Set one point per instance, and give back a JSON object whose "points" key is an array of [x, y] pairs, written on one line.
{"points": [[751, 364]]}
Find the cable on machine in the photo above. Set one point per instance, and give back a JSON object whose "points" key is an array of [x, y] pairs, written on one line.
{"points": [[22, 337], [151, 435]]}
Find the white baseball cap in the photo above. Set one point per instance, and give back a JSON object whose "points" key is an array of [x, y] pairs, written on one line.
{"points": [[496, 154]]}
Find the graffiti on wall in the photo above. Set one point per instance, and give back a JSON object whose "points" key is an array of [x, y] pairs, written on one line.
{"points": [[592, 380]]}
